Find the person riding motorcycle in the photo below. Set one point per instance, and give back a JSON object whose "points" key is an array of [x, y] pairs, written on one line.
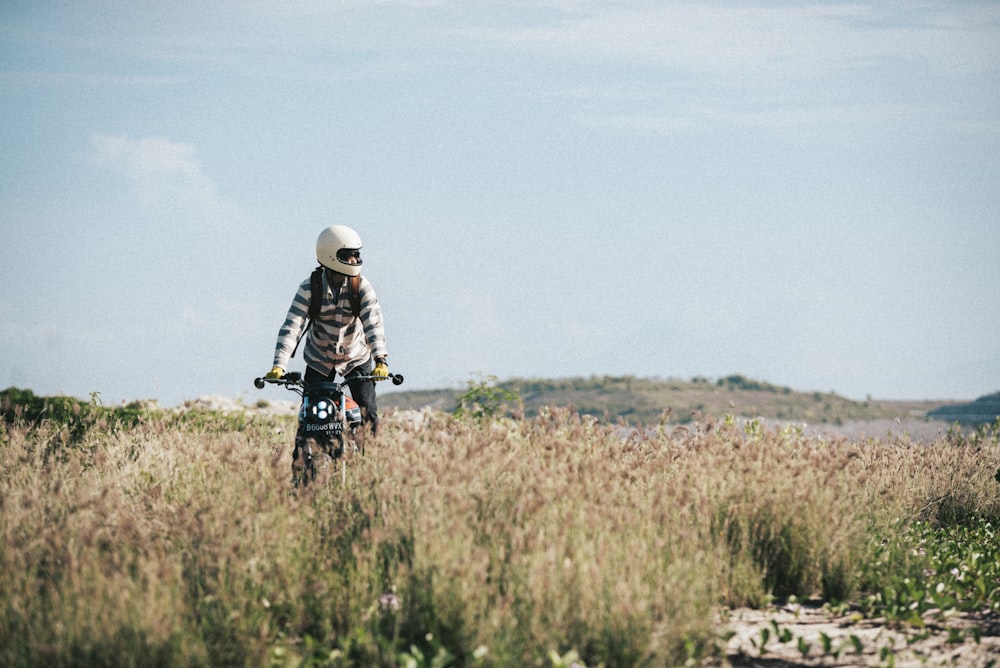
{"points": [[337, 340]]}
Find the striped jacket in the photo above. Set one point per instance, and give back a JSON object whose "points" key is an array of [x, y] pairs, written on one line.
{"points": [[337, 340]]}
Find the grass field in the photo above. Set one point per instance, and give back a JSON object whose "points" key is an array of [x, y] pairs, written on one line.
{"points": [[542, 541]]}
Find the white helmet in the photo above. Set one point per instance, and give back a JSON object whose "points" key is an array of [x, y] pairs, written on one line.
{"points": [[335, 246]]}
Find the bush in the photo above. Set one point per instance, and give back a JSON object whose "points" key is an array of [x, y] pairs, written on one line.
{"points": [[484, 400]]}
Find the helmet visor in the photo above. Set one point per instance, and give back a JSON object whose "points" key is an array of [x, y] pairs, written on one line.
{"points": [[345, 255]]}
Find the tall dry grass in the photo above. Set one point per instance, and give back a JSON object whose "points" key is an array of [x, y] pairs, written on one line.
{"points": [[492, 543]]}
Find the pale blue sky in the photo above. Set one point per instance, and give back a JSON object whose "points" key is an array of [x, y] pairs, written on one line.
{"points": [[803, 193]]}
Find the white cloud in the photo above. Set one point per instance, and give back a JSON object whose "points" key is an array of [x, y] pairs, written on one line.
{"points": [[58, 79], [789, 39], [805, 123], [826, 71], [159, 170]]}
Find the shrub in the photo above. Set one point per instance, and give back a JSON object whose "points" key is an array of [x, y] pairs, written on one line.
{"points": [[484, 400]]}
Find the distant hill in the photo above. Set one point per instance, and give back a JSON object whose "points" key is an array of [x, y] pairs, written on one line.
{"points": [[983, 410], [645, 400], [637, 401]]}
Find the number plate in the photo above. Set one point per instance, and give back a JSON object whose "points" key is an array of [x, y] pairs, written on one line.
{"points": [[330, 427]]}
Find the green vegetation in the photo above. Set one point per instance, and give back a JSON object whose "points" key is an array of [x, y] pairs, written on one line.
{"points": [[70, 419], [71, 416], [474, 541], [484, 400], [928, 567]]}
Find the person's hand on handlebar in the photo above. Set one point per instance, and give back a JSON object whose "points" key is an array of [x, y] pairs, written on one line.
{"points": [[381, 371], [274, 374]]}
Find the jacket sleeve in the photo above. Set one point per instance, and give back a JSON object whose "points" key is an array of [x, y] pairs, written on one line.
{"points": [[292, 329], [371, 320]]}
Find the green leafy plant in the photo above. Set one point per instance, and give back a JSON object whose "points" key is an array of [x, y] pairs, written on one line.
{"points": [[483, 400], [929, 567], [417, 658]]}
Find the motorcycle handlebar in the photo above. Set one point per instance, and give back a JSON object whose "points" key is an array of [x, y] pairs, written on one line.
{"points": [[295, 378]]}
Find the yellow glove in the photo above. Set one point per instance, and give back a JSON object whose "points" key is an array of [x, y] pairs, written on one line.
{"points": [[274, 374], [381, 371]]}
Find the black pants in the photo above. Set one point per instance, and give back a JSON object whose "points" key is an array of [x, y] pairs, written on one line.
{"points": [[362, 391]]}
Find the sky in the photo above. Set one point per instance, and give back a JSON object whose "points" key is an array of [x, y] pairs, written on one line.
{"points": [[804, 193]]}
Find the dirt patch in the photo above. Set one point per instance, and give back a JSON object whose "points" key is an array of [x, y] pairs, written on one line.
{"points": [[811, 635]]}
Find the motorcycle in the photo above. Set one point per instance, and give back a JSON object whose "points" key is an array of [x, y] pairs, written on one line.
{"points": [[329, 421]]}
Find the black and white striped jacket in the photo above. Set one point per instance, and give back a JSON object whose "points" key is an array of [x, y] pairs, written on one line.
{"points": [[336, 340]]}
